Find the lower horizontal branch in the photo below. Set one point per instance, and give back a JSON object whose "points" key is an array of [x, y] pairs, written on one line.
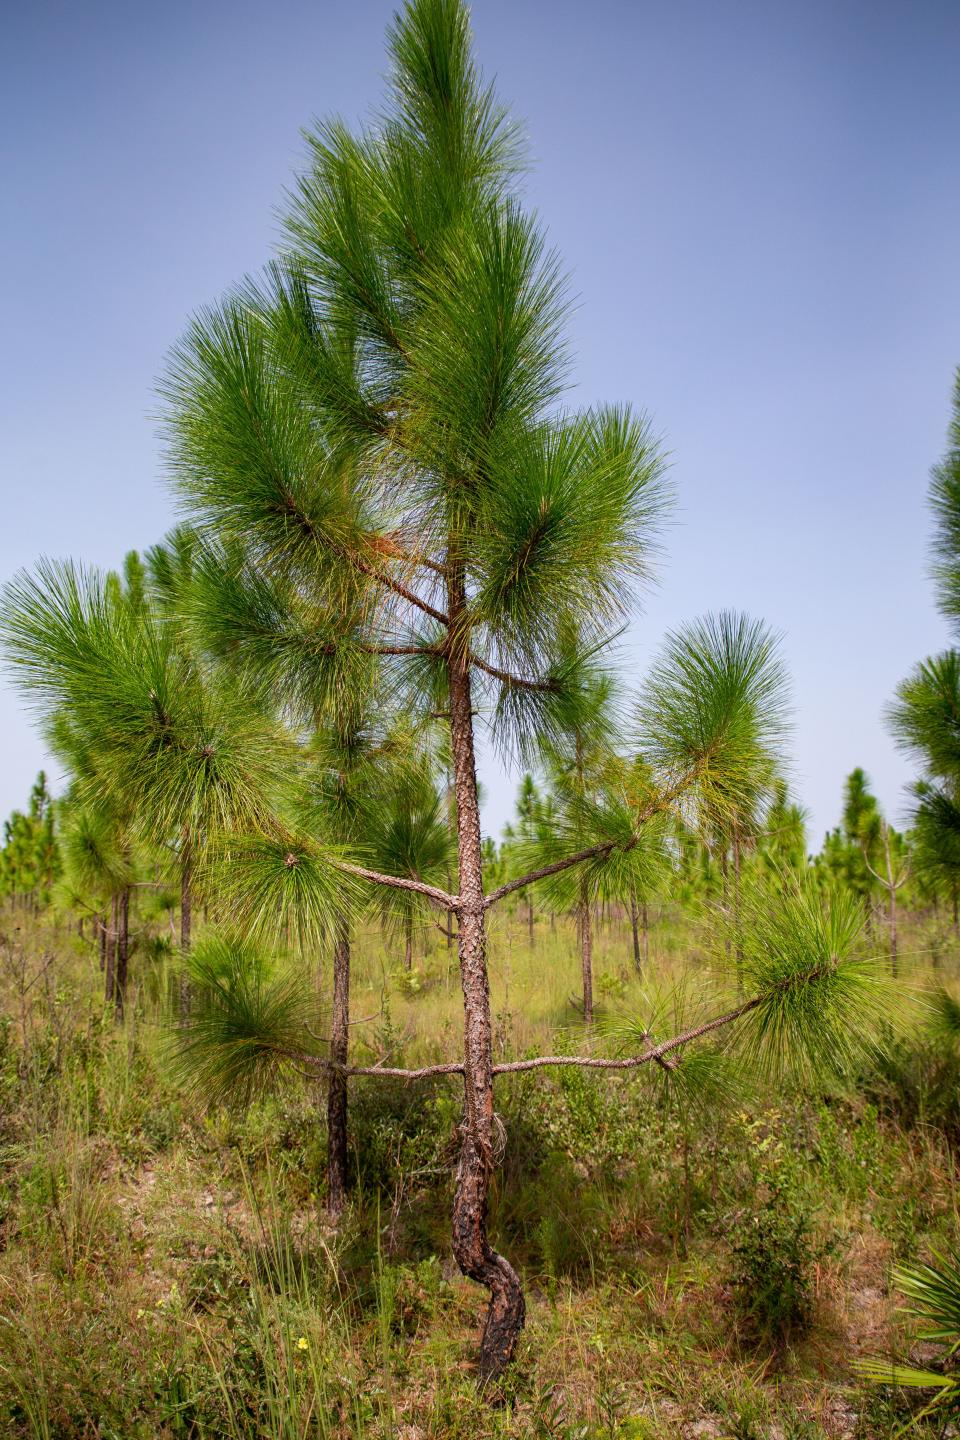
{"points": [[656, 1054], [385, 1072], [510, 1067]]}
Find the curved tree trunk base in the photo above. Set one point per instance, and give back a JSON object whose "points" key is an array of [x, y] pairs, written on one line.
{"points": [[506, 1311], [504, 1322]]}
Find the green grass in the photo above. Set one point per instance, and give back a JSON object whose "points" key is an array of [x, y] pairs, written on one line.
{"points": [[168, 1272]]}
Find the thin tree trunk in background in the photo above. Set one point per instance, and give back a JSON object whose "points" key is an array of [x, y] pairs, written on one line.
{"points": [[736, 910], [725, 894], [186, 896], [891, 882], [186, 916], [110, 955], [586, 952], [471, 1247], [645, 931], [408, 941], [337, 1085], [892, 895], [530, 919], [123, 951], [634, 918], [687, 1198], [101, 930]]}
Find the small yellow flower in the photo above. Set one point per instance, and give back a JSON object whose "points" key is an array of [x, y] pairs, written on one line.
{"points": [[303, 1343]]}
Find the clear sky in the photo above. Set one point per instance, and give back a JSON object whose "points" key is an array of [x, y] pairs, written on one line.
{"points": [[759, 206]]}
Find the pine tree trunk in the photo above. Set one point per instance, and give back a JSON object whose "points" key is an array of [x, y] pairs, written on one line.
{"points": [[586, 952], [645, 932], [408, 942], [892, 898], [634, 917], [110, 955], [736, 911], [123, 951], [530, 919], [725, 895], [186, 916], [337, 1085], [186, 895], [471, 1247]]}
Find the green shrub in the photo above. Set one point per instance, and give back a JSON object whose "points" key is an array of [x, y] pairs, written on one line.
{"points": [[775, 1247]]}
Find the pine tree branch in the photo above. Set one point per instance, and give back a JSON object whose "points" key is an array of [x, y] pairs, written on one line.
{"points": [[392, 1073], [887, 882], [517, 682], [397, 649], [632, 1062], [403, 591], [605, 848], [399, 882], [365, 647], [387, 545], [655, 1054], [291, 508], [555, 869]]}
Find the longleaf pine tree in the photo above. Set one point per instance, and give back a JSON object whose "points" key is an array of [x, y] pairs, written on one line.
{"points": [[369, 440]]}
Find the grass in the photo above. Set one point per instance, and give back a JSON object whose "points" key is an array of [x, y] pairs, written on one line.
{"points": [[168, 1272]]}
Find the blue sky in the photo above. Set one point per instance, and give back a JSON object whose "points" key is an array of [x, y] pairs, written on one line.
{"points": [[759, 209]]}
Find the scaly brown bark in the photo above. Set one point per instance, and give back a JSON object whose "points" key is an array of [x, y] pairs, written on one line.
{"points": [[471, 1246]]}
